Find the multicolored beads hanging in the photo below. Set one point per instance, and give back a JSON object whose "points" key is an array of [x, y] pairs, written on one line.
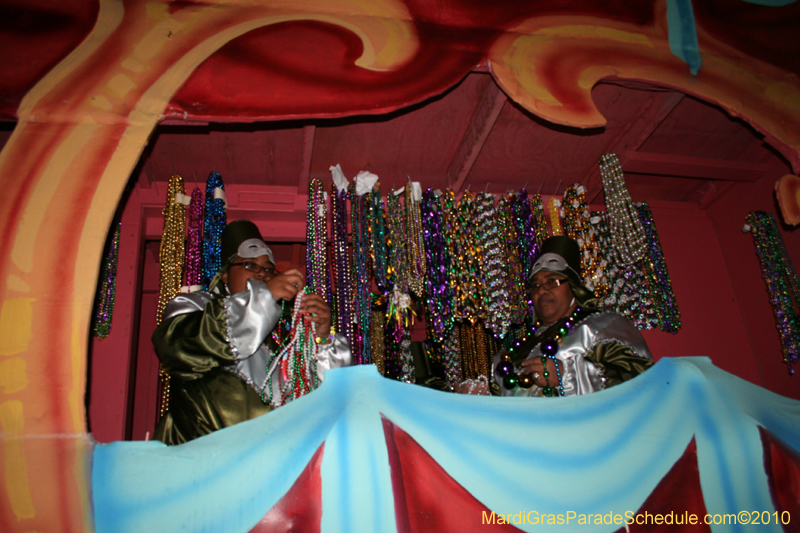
{"points": [[469, 292], [193, 267], [783, 286], [664, 302], [442, 263], [296, 363], [213, 224], [104, 304], [438, 315], [396, 243], [623, 219], [509, 243], [628, 290], [399, 360], [524, 224]]}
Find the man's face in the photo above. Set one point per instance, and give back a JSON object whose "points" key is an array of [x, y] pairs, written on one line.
{"points": [[243, 269], [550, 301]]}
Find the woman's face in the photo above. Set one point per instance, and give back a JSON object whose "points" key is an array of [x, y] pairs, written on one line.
{"points": [[552, 302], [235, 278]]}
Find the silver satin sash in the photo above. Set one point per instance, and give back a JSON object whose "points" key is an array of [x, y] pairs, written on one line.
{"points": [[579, 375], [251, 316]]}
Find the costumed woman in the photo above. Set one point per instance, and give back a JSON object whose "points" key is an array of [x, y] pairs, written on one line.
{"points": [[574, 348], [216, 344]]}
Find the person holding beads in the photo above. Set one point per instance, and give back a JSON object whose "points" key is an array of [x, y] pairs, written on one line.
{"points": [[216, 344], [574, 348]]}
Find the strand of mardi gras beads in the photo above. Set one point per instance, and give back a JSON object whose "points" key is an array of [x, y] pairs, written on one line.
{"points": [[450, 355], [522, 217], [492, 267], [623, 220], [399, 361], [296, 363], [540, 233], [553, 207], [451, 351], [476, 347], [171, 251], [782, 283], [628, 293], [539, 222], [666, 306], [449, 231], [317, 276], [171, 260], [438, 316], [470, 296], [104, 305], [509, 243], [193, 266], [342, 296], [577, 226], [377, 344], [396, 244], [213, 224], [360, 207], [379, 254], [416, 246]]}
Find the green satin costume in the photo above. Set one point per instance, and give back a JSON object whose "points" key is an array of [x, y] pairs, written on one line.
{"points": [[216, 350], [203, 396]]}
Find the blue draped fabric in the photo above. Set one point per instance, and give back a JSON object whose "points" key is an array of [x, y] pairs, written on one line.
{"points": [[599, 453], [683, 33]]}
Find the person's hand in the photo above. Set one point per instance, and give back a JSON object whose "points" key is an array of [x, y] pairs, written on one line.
{"points": [[473, 386], [535, 367], [318, 312], [286, 285]]}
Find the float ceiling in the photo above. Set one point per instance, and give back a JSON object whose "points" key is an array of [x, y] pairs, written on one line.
{"points": [[673, 147]]}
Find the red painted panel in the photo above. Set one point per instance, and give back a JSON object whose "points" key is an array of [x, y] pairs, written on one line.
{"points": [[301, 508], [677, 497], [783, 472], [426, 498]]}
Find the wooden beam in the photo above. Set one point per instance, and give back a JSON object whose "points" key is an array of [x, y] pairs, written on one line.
{"points": [[489, 107], [693, 167], [305, 163], [714, 193], [648, 118]]}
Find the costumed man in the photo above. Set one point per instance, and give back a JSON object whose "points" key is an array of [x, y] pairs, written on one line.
{"points": [[574, 348], [216, 344]]}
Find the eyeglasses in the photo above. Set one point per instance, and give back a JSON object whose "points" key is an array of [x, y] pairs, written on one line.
{"points": [[255, 268], [548, 284]]}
